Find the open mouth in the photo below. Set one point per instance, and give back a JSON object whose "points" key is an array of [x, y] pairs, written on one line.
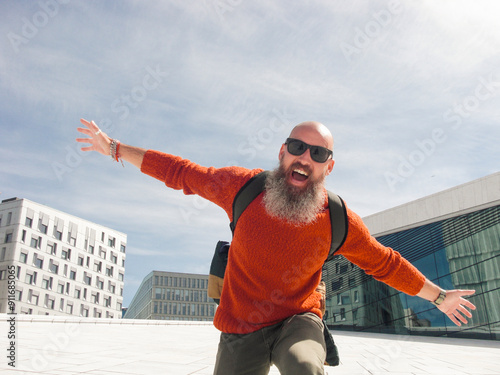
{"points": [[300, 175]]}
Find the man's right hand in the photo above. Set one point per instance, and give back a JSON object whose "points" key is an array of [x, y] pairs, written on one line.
{"points": [[99, 141]]}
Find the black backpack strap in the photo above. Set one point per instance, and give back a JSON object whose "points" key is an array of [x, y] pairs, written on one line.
{"points": [[255, 186], [338, 218], [246, 195]]}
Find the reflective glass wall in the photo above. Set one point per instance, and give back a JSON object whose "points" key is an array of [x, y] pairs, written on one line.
{"points": [[457, 253]]}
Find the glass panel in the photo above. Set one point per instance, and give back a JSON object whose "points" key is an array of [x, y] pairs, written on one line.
{"points": [[427, 266], [442, 265]]}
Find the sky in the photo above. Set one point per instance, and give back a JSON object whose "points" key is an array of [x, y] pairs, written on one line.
{"points": [[409, 90]]}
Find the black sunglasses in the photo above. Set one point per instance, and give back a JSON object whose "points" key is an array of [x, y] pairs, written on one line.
{"points": [[297, 147]]}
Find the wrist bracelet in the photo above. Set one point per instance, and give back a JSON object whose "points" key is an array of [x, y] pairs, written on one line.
{"points": [[114, 148]]}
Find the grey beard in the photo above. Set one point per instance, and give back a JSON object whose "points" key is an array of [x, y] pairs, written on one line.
{"points": [[298, 207]]}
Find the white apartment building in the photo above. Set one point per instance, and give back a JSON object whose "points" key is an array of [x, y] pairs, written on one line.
{"points": [[53, 263]]}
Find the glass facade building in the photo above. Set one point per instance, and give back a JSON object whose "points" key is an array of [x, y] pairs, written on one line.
{"points": [[458, 251], [172, 296]]}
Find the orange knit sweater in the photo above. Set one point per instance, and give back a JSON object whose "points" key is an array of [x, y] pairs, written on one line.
{"points": [[274, 267]]}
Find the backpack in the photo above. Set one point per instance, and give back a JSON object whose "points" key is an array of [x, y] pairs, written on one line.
{"points": [[247, 193]]}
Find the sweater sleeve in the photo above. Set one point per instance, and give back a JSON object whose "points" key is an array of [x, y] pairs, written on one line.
{"points": [[218, 185], [383, 263]]}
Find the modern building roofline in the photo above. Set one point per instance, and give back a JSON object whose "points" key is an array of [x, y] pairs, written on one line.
{"points": [[462, 199]]}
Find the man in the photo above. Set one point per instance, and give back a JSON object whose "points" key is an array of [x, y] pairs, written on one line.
{"points": [[269, 311]]}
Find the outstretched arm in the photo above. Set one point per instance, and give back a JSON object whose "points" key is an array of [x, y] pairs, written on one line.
{"points": [[389, 267], [100, 142], [453, 305]]}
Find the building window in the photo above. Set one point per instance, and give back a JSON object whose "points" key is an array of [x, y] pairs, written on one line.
{"points": [[51, 248], [66, 254], [343, 299], [87, 279], [30, 278], [72, 275], [42, 227], [91, 249], [158, 293], [28, 222], [23, 257], [53, 267], [80, 261], [114, 259], [102, 252], [23, 236], [111, 242], [37, 262], [84, 311], [109, 271], [122, 248], [8, 237], [336, 285], [60, 288], [100, 283], [78, 293], [36, 242], [33, 297], [47, 283], [49, 302], [69, 308], [57, 234], [352, 282]]}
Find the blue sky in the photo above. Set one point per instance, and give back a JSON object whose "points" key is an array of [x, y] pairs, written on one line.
{"points": [[410, 91]]}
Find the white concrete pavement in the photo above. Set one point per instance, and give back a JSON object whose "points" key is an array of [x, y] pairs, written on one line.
{"points": [[67, 346]]}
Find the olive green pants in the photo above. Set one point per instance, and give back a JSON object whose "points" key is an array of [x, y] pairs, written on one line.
{"points": [[296, 346]]}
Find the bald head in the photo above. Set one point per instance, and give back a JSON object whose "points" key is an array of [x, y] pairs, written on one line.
{"points": [[313, 129]]}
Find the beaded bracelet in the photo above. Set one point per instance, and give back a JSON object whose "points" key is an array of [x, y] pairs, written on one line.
{"points": [[114, 148]]}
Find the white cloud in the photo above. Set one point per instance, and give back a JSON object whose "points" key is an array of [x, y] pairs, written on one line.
{"points": [[234, 84]]}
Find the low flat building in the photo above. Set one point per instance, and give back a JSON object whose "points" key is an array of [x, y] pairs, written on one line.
{"points": [[172, 296], [54, 263]]}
